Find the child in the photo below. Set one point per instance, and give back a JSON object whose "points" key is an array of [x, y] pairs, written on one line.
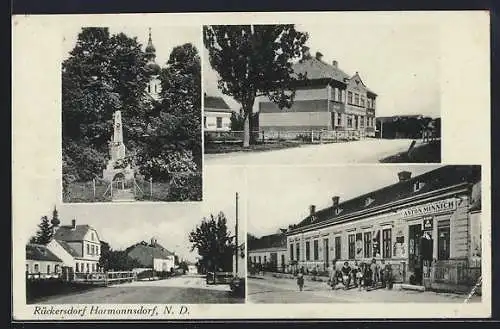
{"points": [[346, 275], [300, 279], [360, 275]]}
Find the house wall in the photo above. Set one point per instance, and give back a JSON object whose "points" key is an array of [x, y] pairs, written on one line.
{"points": [[210, 121], [60, 252], [55, 267], [163, 265], [261, 256]]}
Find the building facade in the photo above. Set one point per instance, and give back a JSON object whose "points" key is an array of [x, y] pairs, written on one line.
{"points": [[78, 246], [42, 263], [152, 256], [425, 226], [216, 114], [269, 252], [326, 99]]}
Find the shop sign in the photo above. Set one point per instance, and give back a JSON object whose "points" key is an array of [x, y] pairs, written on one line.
{"points": [[428, 223], [430, 208]]}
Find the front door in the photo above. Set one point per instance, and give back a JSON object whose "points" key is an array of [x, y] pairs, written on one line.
{"points": [[274, 261], [414, 256]]}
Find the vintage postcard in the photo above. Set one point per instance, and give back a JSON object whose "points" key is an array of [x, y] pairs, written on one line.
{"points": [[320, 165]]}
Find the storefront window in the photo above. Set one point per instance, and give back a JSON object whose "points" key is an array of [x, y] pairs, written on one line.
{"points": [[351, 246], [308, 251], [368, 244], [443, 240], [315, 250], [338, 246], [386, 243], [291, 251]]}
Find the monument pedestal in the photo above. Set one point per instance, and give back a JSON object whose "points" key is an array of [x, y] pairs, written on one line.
{"points": [[110, 173]]}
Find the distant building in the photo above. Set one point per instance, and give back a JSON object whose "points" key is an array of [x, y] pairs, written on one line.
{"points": [[152, 256], [78, 246], [41, 263], [408, 126], [269, 251], [216, 114], [192, 269], [327, 99]]}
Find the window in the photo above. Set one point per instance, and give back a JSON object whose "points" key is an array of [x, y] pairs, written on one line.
{"points": [[219, 122], [362, 122], [386, 243], [349, 121], [88, 249], [349, 97], [92, 236], [326, 252], [291, 251], [351, 246], [339, 119], [282, 259], [93, 267], [362, 101], [265, 259], [359, 245], [88, 267], [260, 260], [77, 268], [48, 269], [369, 201], [56, 269], [315, 250], [297, 246], [97, 250], [35, 269], [418, 186], [308, 250], [368, 244], [204, 122], [334, 94], [356, 121], [356, 99], [92, 249], [338, 245], [443, 244], [27, 268], [149, 88]]}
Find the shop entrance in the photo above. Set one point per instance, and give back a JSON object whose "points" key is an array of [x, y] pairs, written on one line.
{"points": [[414, 254]]}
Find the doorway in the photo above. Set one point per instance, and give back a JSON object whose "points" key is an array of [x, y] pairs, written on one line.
{"points": [[414, 254]]}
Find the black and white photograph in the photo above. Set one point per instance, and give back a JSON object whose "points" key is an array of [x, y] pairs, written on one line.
{"points": [[131, 115], [138, 253], [365, 234], [363, 92]]}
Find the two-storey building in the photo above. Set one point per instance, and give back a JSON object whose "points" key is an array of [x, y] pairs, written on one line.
{"points": [[427, 227], [326, 98], [78, 246]]}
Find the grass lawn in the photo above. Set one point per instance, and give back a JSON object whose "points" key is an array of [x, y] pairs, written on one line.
{"points": [[218, 148], [425, 153]]}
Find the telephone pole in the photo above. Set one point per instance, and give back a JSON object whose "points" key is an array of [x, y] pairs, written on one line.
{"points": [[236, 235]]}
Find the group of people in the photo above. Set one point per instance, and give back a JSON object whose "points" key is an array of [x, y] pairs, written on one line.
{"points": [[361, 275]]}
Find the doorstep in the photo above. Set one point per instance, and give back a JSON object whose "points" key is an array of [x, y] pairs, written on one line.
{"points": [[413, 287]]}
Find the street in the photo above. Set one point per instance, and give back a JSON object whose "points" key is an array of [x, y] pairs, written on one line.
{"points": [[189, 289], [274, 290], [363, 151]]}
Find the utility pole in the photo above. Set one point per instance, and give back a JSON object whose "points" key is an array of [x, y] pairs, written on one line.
{"points": [[236, 235]]}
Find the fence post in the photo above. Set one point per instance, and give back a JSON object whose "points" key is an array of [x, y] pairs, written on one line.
{"points": [[151, 187], [93, 185], [312, 136]]}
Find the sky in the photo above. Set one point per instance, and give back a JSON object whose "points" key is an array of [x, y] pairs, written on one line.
{"points": [[281, 195], [164, 39], [399, 61]]}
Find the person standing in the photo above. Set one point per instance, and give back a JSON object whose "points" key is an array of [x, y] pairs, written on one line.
{"points": [[300, 278], [333, 274], [374, 270]]}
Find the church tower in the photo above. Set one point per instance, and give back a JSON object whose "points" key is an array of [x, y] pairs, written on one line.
{"points": [[153, 87]]}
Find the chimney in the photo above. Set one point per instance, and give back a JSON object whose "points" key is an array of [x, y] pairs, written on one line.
{"points": [[404, 176], [335, 64], [335, 201], [319, 55], [73, 224], [153, 241], [306, 53], [312, 210]]}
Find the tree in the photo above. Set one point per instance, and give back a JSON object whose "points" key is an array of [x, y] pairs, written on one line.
{"points": [[117, 260], [237, 121], [44, 233], [214, 244], [255, 60]]}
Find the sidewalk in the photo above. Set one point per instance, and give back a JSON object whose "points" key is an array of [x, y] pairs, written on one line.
{"points": [[377, 295]]}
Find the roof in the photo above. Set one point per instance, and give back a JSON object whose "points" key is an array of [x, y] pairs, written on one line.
{"points": [[144, 253], [70, 250], [41, 253], [277, 240], [67, 233], [315, 69], [212, 102], [442, 177]]}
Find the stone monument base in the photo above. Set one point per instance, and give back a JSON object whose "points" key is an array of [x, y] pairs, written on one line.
{"points": [[110, 173]]}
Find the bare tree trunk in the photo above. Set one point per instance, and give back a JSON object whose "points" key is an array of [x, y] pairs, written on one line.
{"points": [[246, 129]]}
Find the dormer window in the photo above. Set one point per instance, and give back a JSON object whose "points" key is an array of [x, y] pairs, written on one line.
{"points": [[417, 186], [369, 201], [338, 211]]}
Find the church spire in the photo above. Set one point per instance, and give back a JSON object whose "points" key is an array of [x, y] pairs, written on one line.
{"points": [[150, 48]]}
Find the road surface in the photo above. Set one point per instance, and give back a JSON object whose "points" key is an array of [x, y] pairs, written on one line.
{"points": [[363, 151], [183, 289], [273, 290]]}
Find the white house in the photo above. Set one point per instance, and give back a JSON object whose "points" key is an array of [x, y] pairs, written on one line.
{"points": [[42, 263], [216, 114], [152, 256]]}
